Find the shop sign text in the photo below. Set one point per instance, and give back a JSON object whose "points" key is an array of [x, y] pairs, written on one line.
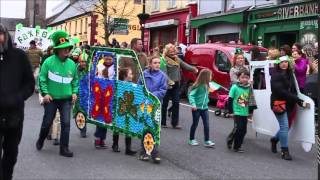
{"points": [[298, 10]]}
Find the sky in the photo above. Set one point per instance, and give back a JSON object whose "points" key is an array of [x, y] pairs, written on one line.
{"points": [[16, 8]]}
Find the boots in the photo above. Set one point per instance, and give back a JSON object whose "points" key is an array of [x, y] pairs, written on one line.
{"points": [[115, 147], [42, 136], [274, 142], [64, 151], [285, 154], [128, 147]]}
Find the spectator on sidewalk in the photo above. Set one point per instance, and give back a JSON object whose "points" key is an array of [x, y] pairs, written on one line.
{"points": [[17, 85], [173, 66], [35, 56]]}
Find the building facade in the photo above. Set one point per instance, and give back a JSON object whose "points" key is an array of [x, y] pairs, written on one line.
{"points": [[277, 25], [169, 22], [81, 19], [224, 20]]}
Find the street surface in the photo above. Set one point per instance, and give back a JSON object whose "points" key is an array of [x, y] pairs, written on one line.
{"points": [[179, 160]]}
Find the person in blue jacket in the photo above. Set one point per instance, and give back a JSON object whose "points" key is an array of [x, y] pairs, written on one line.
{"points": [[156, 83]]}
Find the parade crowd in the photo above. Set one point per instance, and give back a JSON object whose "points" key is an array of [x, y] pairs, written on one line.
{"points": [[54, 75]]}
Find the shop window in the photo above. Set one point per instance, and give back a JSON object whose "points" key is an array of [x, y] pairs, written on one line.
{"points": [[259, 80], [137, 1], [222, 62], [105, 68], [155, 5]]}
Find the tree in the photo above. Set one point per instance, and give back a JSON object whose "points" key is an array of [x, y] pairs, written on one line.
{"points": [[112, 13]]}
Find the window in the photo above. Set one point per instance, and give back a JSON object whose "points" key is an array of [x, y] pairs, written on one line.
{"points": [[81, 24], [85, 25], [172, 4], [69, 30], [105, 68], [155, 5], [259, 81], [222, 62], [126, 63], [37, 10], [75, 27], [137, 1]]}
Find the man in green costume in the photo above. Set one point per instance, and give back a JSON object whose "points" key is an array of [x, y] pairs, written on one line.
{"points": [[59, 87]]}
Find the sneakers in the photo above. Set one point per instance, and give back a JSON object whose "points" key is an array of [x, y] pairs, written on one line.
{"points": [[100, 144], [193, 142], [209, 144]]}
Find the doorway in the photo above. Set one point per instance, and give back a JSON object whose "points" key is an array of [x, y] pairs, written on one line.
{"points": [[280, 38]]}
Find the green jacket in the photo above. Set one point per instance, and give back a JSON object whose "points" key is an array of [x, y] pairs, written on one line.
{"points": [[198, 97], [58, 78]]}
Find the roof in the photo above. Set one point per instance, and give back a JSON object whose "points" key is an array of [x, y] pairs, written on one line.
{"points": [[10, 23], [76, 9]]}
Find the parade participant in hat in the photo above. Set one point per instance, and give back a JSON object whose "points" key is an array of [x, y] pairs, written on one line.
{"points": [[17, 85], [59, 87], [283, 99], [82, 70], [75, 54]]}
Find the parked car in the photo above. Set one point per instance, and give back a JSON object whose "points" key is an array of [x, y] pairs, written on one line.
{"points": [[216, 57], [121, 106]]}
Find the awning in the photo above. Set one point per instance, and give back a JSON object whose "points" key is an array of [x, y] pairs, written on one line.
{"points": [[231, 16], [162, 23]]}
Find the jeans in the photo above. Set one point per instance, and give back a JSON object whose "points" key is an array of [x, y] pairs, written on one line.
{"points": [[9, 142], [205, 119], [50, 109], [239, 131], [100, 133], [174, 95], [282, 134]]}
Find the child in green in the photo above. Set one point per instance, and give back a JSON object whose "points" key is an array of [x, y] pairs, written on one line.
{"points": [[239, 105], [198, 98]]}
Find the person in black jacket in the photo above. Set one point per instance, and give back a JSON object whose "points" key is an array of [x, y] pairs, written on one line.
{"points": [[283, 100], [16, 86]]}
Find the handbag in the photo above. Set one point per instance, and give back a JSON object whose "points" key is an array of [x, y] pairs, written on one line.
{"points": [[279, 106]]}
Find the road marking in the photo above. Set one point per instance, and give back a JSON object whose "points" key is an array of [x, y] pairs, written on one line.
{"points": [[183, 104]]}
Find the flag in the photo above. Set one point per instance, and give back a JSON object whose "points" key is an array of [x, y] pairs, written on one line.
{"points": [[163, 64], [214, 86]]}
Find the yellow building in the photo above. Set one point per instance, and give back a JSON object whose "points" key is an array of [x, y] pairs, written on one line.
{"points": [[84, 20]]}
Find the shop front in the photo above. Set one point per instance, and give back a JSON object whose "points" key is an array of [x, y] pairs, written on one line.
{"points": [[169, 27], [221, 26], [285, 24]]}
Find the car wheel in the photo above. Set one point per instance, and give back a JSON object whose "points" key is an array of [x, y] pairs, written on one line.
{"points": [[80, 120]]}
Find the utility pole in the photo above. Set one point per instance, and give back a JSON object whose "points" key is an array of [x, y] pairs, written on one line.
{"points": [[143, 17]]}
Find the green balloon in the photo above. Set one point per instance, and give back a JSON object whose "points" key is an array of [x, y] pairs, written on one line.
{"points": [[37, 27], [49, 29], [75, 40], [19, 26]]}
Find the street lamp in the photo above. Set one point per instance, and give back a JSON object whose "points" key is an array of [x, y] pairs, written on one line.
{"points": [[142, 18]]}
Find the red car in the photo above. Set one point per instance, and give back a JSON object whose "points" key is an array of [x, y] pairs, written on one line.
{"points": [[216, 57]]}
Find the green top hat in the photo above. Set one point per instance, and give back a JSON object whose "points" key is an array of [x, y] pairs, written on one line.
{"points": [[61, 40]]}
